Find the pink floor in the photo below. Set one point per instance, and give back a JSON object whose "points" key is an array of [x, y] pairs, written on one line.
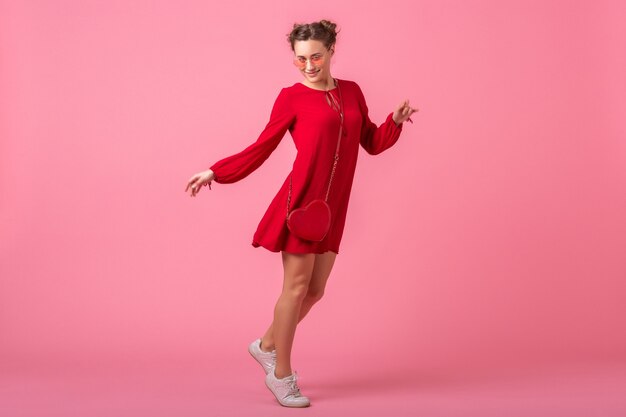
{"points": [[233, 386]]}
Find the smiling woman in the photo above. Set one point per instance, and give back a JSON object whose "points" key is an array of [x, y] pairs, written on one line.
{"points": [[313, 46], [329, 122]]}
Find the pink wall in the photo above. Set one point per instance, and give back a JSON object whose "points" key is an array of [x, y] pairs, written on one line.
{"points": [[492, 232]]}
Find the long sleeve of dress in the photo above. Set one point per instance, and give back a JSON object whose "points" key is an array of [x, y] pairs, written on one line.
{"points": [[238, 166], [375, 139]]}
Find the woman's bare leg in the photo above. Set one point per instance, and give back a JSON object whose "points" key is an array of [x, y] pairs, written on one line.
{"points": [[321, 271], [298, 269], [322, 267]]}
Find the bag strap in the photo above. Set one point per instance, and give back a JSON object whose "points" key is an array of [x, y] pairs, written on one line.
{"points": [[336, 157]]}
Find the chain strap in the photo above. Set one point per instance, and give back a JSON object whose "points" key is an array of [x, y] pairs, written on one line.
{"points": [[335, 159]]}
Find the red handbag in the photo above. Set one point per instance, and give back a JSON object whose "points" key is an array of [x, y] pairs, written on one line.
{"points": [[312, 221]]}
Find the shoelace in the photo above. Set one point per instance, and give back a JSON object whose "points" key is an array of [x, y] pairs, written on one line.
{"points": [[293, 386]]}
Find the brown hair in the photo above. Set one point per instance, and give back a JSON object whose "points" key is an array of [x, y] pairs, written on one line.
{"points": [[323, 31]]}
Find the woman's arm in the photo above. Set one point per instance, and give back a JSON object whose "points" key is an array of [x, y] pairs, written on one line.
{"points": [[238, 166], [376, 139]]}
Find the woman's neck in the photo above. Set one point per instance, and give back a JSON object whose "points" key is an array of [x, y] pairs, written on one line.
{"points": [[329, 84]]}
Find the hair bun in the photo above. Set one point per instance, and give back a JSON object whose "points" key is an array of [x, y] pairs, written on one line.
{"points": [[330, 26], [323, 30]]}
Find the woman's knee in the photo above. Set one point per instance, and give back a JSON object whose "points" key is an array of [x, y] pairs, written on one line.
{"points": [[297, 289], [321, 271], [298, 271], [314, 294]]}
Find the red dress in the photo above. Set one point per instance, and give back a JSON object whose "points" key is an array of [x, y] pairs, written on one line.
{"points": [[314, 127]]}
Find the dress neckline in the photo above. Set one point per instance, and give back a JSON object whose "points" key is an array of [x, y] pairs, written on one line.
{"points": [[315, 89]]}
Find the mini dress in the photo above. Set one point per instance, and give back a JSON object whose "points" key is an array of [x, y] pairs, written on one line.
{"points": [[314, 128]]}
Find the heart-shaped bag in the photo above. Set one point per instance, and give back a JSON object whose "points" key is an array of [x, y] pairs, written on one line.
{"points": [[312, 221]]}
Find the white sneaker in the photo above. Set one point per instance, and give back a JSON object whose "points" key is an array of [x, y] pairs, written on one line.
{"points": [[286, 390], [266, 359]]}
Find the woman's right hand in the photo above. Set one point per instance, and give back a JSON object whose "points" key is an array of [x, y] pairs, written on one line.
{"points": [[198, 180]]}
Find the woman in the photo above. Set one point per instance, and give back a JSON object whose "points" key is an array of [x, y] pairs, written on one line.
{"points": [[310, 110]]}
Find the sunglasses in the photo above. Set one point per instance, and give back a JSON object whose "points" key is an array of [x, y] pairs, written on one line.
{"points": [[317, 60]]}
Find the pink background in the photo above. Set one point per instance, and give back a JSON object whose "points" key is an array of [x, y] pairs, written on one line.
{"points": [[489, 241]]}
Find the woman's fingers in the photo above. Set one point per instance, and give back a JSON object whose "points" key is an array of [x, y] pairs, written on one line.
{"points": [[193, 183], [197, 182], [192, 180], [405, 108]]}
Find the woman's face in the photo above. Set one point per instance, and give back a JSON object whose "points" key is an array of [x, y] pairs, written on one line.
{"points": [[313, 60]]}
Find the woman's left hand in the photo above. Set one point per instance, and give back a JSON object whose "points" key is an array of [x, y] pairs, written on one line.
{"points": [[403, 113]]}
